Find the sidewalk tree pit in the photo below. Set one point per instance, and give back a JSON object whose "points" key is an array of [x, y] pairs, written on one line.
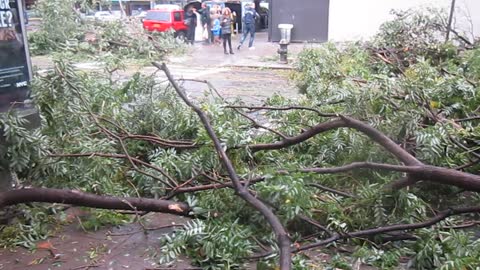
{"points": [[376, 164]]}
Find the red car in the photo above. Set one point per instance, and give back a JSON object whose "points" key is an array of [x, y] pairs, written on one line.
{"points": [[166, 17]]}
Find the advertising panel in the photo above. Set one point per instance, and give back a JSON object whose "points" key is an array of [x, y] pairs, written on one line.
{"points": [[15, 71]]}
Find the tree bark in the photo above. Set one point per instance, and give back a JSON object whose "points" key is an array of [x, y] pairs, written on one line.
{"points": [[434, 174], [78, 198]]}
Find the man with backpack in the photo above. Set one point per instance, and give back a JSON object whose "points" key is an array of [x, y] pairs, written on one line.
{"points": [[249, 18]]}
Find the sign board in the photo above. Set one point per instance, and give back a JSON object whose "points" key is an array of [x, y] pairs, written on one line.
{"points": [[15, 67]]}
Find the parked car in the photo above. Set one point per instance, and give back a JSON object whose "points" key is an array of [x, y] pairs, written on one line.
{"points": [[165, 18], [104, 16]]}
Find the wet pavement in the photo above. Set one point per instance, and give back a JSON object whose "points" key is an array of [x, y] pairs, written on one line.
{"points": [[249, 75], [122, 247]]}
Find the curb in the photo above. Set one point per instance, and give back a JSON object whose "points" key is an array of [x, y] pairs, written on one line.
{"points": [[279, 67]]}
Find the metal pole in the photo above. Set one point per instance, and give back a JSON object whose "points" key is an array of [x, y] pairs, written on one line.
{"points": [[450, 20]]}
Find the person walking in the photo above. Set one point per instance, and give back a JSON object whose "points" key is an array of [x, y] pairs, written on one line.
{"points": [[249, 18], [216, 29], [226, 23], [206, 22], [191, 22]]}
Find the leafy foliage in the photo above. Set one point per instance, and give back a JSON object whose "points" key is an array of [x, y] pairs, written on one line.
{"points": [[59, 24], [64, 29], [213, 246], [415, 91]]}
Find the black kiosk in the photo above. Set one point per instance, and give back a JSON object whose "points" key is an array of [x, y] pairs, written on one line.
{"points": [[15, 67], [15, 72]]}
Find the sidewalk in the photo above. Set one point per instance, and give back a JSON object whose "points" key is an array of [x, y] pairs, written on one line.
{"points": [[263, 56]]}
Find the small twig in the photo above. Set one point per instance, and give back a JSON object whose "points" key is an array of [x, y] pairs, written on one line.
{"points": [[289, 108], [316, 224], [259, 243], [173, 268], [461, 145], [384, 59], [470, 164], [331, 190], [477, 117], [461, 226], [145, 229], [86, 267]]}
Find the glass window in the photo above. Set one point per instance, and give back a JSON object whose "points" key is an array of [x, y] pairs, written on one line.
{"points": [[177, 17], [158, 16]]}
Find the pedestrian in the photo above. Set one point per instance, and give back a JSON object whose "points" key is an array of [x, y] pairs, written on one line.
{"points": [[191, 22], [226, 23], [216, 29], [234, 21], [206, 22], [249, 18]]}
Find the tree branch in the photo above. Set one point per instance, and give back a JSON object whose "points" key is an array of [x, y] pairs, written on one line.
{"points": [[477, 117], [400, 227], [283, 240], [175, 192], [434, 174], [289, 108], [344, 122], [74, 197]]}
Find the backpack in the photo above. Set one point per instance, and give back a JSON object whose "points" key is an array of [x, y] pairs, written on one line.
{"points": [[249, 17]]}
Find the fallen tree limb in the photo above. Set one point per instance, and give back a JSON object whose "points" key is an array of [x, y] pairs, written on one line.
{"points": [[283, 240], [434, 174], [78, 198], [175, 192], [400, 227], [343, 122], [415, 169]]}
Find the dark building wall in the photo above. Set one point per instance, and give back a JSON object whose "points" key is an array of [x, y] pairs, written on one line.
{"points": [[309, 19]]}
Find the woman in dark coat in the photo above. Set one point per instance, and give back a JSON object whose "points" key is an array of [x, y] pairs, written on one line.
{"points": [[226, 23], [191, 18]]}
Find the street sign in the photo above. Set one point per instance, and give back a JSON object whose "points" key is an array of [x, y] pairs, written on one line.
{"points": [[15, 67]]}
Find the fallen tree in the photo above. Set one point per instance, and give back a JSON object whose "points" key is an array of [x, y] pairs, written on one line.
{"points": [[382, 136]]}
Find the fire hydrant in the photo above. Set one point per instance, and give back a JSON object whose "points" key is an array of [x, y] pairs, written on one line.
{"points": [[285, 34]]}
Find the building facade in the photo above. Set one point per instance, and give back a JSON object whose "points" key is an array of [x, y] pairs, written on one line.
{"points": [[353, 20], [336, 20]]}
